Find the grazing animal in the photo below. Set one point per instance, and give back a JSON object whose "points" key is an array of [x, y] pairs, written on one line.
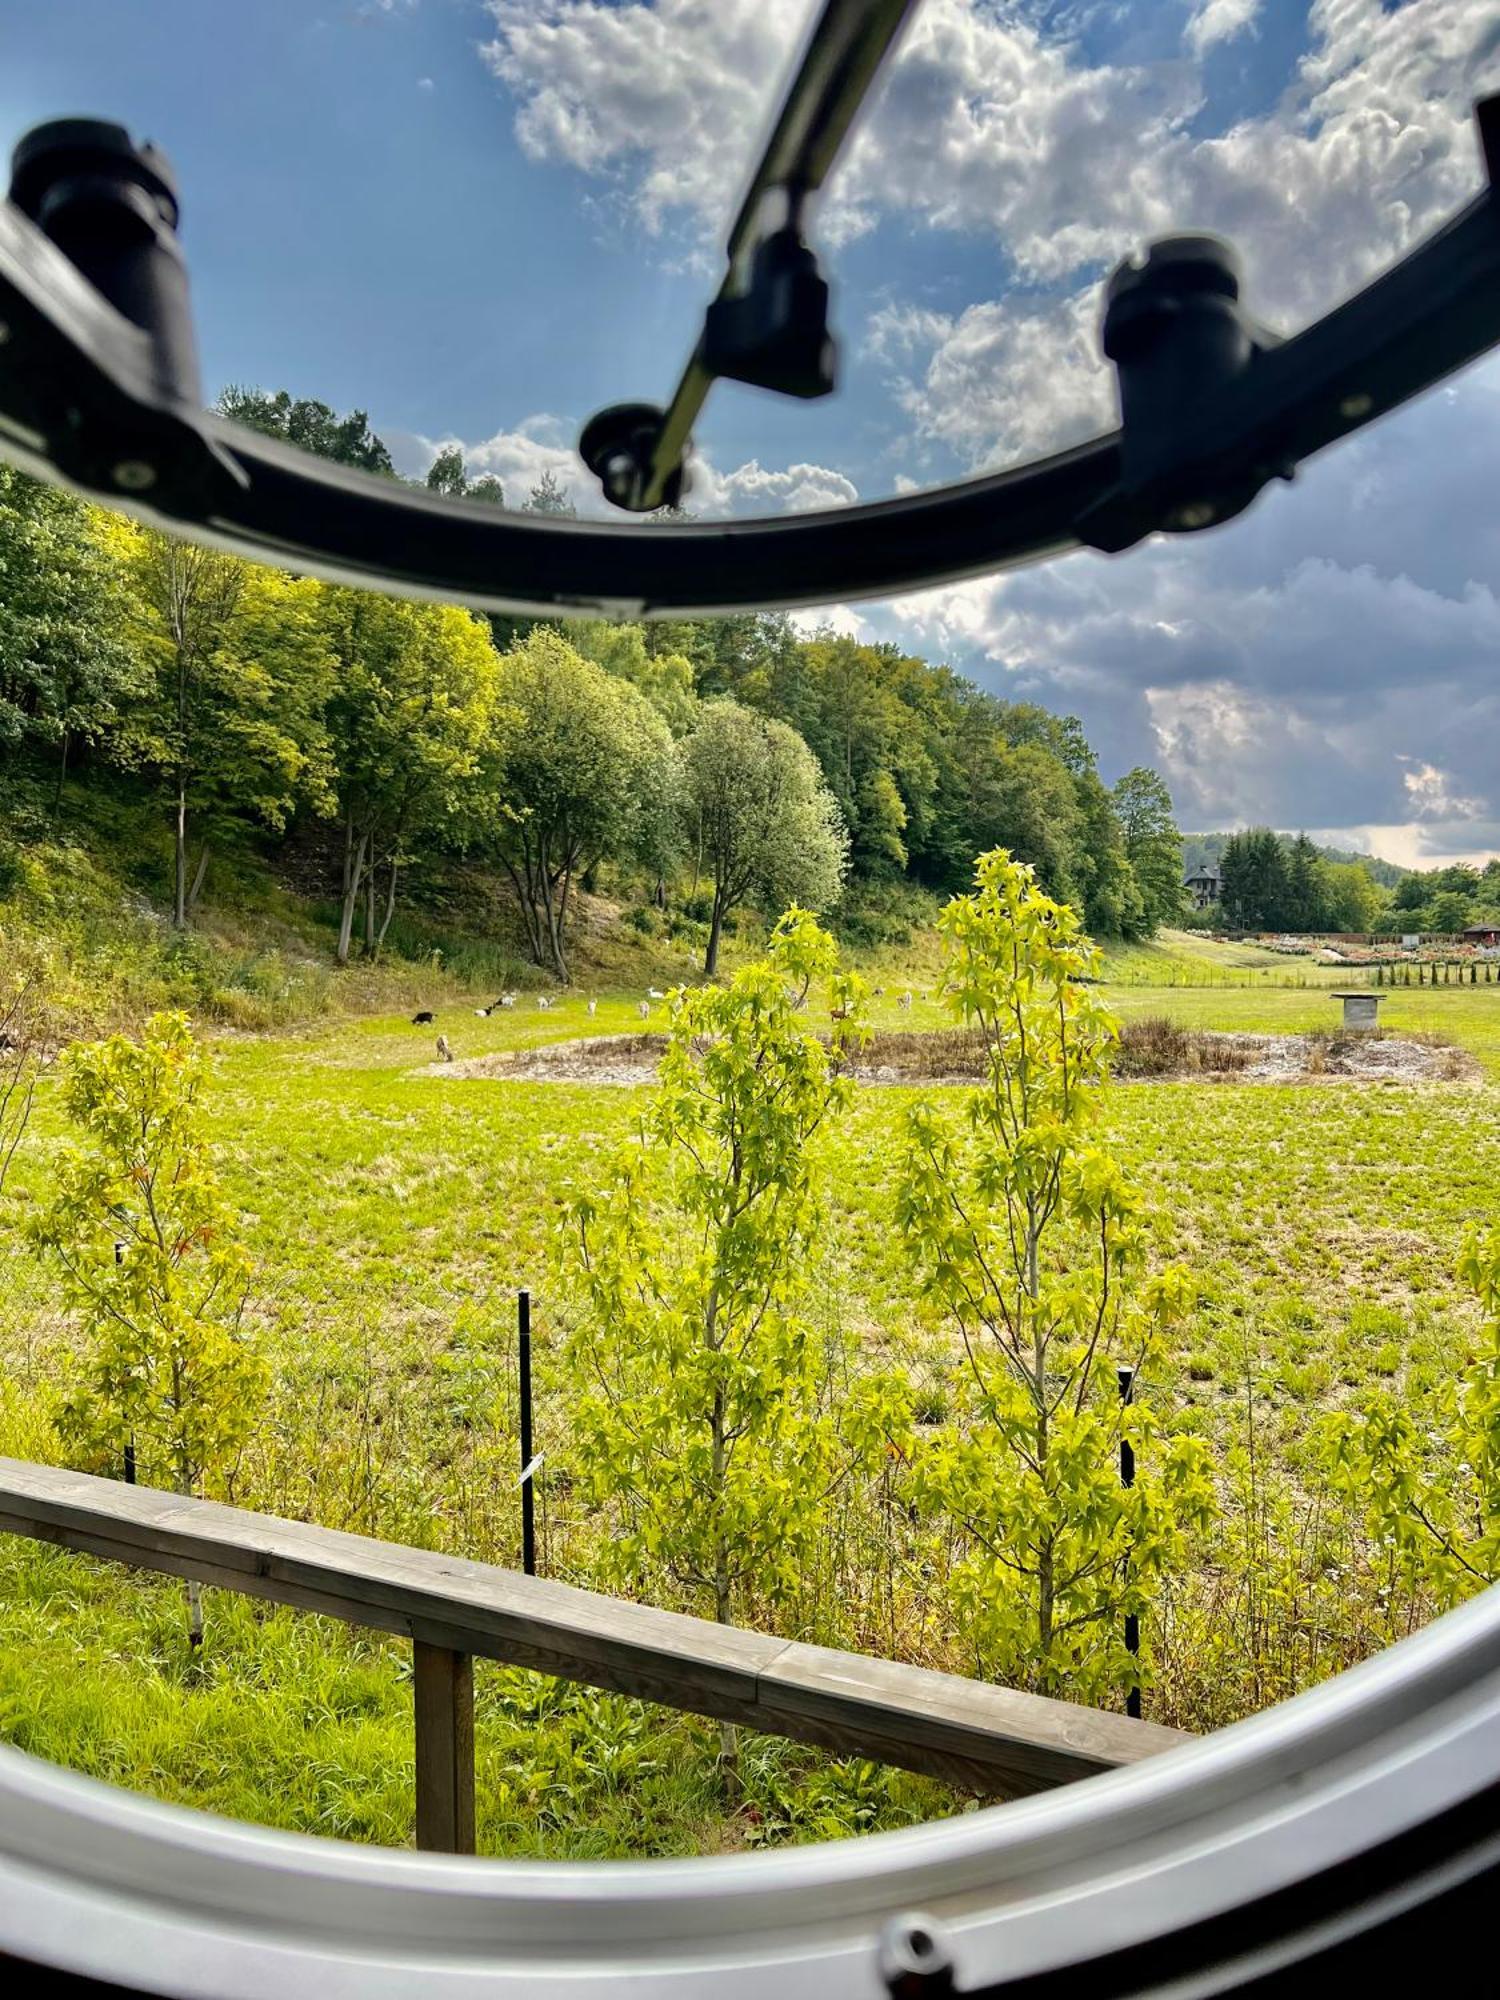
{"points": [[655, 993], [443, 1049], [905, 1001], [644, 1010], [593, 1008], [542, 1000], [423, 1020]]}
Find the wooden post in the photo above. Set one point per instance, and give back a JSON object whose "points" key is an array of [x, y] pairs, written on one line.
{"points": [[444, 1701]]}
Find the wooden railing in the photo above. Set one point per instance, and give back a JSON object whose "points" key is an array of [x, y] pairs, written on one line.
{"points": [[987, 1739]]}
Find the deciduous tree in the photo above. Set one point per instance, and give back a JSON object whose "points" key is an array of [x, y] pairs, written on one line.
{"points": [[240, 670], [66, 668], [151, 1264], [760, 815], [704, 1414], [447, 474], [1032, 1242], [1152, 841], [309, 424], [585, 770], [412, 704]]}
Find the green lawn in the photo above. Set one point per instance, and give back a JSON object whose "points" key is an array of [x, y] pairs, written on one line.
{"points": [[392, 1214]]}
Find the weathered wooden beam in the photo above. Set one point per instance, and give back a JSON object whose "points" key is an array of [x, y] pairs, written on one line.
{"points": [[993, 1740], [444, 1705]]}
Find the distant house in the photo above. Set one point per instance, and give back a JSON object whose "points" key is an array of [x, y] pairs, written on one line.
{"points": [[1485, 934], [1205, 888]]}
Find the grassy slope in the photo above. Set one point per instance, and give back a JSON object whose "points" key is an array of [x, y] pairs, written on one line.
{"points": [[93, 887]]}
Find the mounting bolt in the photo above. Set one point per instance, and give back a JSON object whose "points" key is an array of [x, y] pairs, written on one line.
{"points": [[915, 1958], [618, 445], [133, 475], [1193, 514], [110, 206]]}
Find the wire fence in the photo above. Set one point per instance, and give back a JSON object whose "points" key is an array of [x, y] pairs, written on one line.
{"points": [[393, 1407]]}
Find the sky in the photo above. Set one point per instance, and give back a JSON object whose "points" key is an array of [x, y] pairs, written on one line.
{"points": [[481, 220]]}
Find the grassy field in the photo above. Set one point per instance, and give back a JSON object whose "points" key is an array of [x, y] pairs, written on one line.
{"points": [[393, 1212]]}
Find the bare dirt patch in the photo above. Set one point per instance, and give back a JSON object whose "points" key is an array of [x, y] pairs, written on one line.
{"points": [[1150, 1052]]}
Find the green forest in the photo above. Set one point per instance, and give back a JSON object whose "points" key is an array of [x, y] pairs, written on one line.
{"points": [[703, 765], [1272, 883]]}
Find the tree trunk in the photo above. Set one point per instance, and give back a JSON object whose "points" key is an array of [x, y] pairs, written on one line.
{"points": [[390, 907], [521, 883], [179, 892], [555, 945], [353, 874], [62, 772], [553, 916], [370, 909], [560, 930], [711, 962], [196, 889]]}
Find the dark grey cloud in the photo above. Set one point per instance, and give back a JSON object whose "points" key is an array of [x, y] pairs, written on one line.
{"points": [[1307, 663]]}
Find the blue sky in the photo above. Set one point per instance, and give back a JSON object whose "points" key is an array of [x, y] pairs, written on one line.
{"points": [[481, 219]]}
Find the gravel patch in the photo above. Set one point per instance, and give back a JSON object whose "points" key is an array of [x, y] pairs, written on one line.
{"points": [[629, 1060]]}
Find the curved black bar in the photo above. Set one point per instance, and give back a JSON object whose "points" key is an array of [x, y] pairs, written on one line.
{"points": [[370, 531], [82, 400]]}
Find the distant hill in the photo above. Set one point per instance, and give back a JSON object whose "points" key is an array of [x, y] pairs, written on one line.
{"points": [[1200, 849]]}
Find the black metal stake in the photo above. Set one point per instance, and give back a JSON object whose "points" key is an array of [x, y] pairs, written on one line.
{"points": [[528, 1469], [1126, 1379], [130, 1447]]}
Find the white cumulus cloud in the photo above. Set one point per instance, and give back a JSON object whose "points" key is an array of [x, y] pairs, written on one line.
{"points": [[1215, 21], [543, 444]]}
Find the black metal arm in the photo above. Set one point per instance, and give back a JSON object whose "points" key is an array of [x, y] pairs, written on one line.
{"points": [[768, 326]]}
